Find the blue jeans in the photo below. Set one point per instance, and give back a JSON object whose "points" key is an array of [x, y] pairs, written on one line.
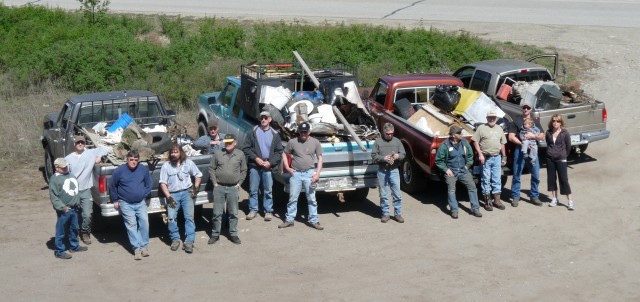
{"points": [[491, 173], [66, 220], [518, 165], [230, 196], [390, 178], [296, 182], [255, 175], [466, 179], [184, 202], [136, 221]]}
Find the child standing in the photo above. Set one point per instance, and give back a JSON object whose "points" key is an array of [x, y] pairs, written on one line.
{"points": [[529, 146], [64, 195]]}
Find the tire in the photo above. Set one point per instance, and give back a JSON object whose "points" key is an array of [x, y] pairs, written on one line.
{"points": [[357, 195], [49, 169], [202, 128], [411, 177], [161, 142]]}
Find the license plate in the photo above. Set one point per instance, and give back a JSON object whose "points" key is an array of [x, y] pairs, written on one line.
{"points": [[575, 138], [154, 204], [338, 183]]}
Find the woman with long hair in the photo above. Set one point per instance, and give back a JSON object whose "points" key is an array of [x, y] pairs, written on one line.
{"points": [[558, 148]]}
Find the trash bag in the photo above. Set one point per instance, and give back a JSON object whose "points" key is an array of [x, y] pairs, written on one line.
{"points": [[446, 97]]}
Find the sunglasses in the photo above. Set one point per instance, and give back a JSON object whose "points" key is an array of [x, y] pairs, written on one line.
{"points": [[79, 142], [526, 107], [264, 117]]}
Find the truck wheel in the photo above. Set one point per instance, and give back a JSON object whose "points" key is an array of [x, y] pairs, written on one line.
{"points": [[357, 195], [202, 129], [48, 166], [583, 148], [411, 178]]}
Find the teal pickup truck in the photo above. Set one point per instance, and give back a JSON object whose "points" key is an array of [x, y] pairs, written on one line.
{"points": [[348, 170]]}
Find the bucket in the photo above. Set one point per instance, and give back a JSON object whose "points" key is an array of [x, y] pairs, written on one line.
{"points": [[121, 122]]}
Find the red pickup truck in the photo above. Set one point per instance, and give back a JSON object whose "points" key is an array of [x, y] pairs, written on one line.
{"points": [[403, 101]]}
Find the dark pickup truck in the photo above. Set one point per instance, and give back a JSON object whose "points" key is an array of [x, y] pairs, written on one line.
{"points": [[404, 102], [586, 118], [81, 113]]}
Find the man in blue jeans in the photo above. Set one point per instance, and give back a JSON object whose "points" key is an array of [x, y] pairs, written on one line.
{"points": [[302, 149], [64, 193], [130, 186], [263, 149], [488, 141], [175, 183], [388, 153], [454, 158], [519, 161]]}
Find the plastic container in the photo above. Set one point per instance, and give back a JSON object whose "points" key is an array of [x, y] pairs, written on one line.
{"points": [[121, 122]]}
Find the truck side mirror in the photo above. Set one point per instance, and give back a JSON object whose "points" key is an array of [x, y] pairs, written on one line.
{"points": [[48, 125]]}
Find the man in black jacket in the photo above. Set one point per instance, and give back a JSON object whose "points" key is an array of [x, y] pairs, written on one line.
{"points": [[263, 148]]}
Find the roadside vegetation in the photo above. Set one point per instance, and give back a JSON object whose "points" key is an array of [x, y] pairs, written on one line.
{"points": [[47, 55]]}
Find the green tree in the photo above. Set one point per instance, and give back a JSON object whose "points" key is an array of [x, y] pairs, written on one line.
{"points": [[94, 10]]}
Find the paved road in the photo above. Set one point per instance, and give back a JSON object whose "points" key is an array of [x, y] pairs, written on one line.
{"points": [[559, 12]]}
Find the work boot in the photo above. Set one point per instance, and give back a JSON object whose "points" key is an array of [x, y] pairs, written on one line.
{"points": [[268, 216], [213, 239], [496, 201], [285, 224], [476, 213], [251, 215], [235, 239], [487, 202], [79, 249], [514, 202], [137, 255], [536, 201], [399, 218], [188, 247], [86, 238], [384, 218], [175, 245]]}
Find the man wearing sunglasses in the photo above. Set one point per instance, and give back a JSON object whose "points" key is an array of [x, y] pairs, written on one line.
{"points": [[130, 185], [81, 163], [519, 161], [263, 148]]}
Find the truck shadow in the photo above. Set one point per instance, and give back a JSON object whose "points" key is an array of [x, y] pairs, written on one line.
{"points": [[436, 195], [327, 204]]}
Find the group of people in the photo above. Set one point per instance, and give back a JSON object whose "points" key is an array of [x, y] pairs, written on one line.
{"points": [[455, 157], [263, 150]]}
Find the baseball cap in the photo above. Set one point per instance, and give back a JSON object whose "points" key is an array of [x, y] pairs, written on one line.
{"points": [[454, 129], [60, 162], [492, 113], [265, 113], [78, 138], [229, 138], [304, 127]]}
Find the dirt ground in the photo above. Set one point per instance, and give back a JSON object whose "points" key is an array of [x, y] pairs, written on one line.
{"points": [[527, 253]]}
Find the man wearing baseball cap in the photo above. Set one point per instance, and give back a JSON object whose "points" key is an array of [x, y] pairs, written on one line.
{"points": [[519, 161], [63, 193], [454, 158], [81, 163], [263, 148], [489, 141], [227, 171], [302, 149]]}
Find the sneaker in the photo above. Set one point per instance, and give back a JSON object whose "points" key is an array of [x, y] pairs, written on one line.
{"points": [[188, 247], [86, 238], [399, 218], [514, 202], [213, 240], [64, 256], [476, 213], [268, 216], [384, 218], [317, 226], [175, 245], [235, 239], [454, 215], [80, 249], [553, 203], [536, 201], [251, 215], [137, 255], [145, 252], [285, 224], [570, 206]]}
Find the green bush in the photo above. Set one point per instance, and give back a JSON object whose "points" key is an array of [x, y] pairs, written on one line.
{"points": [[181, 57]]}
